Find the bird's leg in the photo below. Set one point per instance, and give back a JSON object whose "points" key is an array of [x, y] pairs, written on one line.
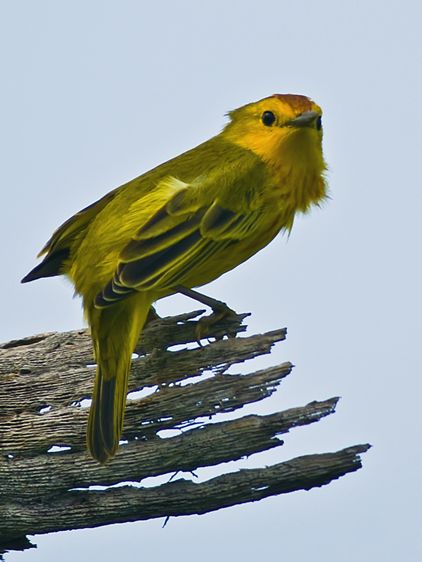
{"points": [[219, 309], [214, 304]]}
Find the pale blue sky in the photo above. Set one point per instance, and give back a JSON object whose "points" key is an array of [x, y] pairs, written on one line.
{"points": [[96, 92]]}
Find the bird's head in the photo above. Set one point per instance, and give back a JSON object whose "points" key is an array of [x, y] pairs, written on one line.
{"points": [[276, 125]]}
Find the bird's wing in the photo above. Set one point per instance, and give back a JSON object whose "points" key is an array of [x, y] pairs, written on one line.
{"points": [[180, 237], [58, 248]]}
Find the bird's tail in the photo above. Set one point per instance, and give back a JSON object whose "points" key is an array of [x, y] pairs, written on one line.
{"points": [[115, 331]]}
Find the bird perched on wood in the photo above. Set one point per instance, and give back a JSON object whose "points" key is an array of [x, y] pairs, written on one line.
{"points": [[179, 226]]}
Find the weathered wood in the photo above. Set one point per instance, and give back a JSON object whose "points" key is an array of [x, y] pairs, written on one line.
{"points": [[28, 433], [45, 383], [31, 383], [188, 451], [92, 508]]}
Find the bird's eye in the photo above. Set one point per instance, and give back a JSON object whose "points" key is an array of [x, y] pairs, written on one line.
{"points": [[268, 118], [318, 123]]}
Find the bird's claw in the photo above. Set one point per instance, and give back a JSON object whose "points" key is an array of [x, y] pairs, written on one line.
{"points": [[205, 324]]}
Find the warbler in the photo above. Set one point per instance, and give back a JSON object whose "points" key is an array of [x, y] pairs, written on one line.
{"points": [[180, 226]]}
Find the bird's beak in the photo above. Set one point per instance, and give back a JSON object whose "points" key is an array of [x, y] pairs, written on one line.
{"points": [[307, 119]]}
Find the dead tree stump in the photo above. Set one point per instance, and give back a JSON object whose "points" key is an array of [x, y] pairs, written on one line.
{"points": [[46, 475]]}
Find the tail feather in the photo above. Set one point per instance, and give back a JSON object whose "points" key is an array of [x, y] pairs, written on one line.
{"points": [[115, 331], [105, 418]]}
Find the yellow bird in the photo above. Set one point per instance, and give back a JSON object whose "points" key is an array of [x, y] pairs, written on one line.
{"points": [[182, 225]]}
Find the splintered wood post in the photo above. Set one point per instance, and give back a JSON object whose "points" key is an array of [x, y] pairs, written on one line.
{"points": [[175, 384]]}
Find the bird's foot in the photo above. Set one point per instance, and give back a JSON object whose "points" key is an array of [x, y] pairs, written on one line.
{"points": [[220, 311], [206, 324]]}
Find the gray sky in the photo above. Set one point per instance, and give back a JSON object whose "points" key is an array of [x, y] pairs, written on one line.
{"points": [[94, 93]]}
